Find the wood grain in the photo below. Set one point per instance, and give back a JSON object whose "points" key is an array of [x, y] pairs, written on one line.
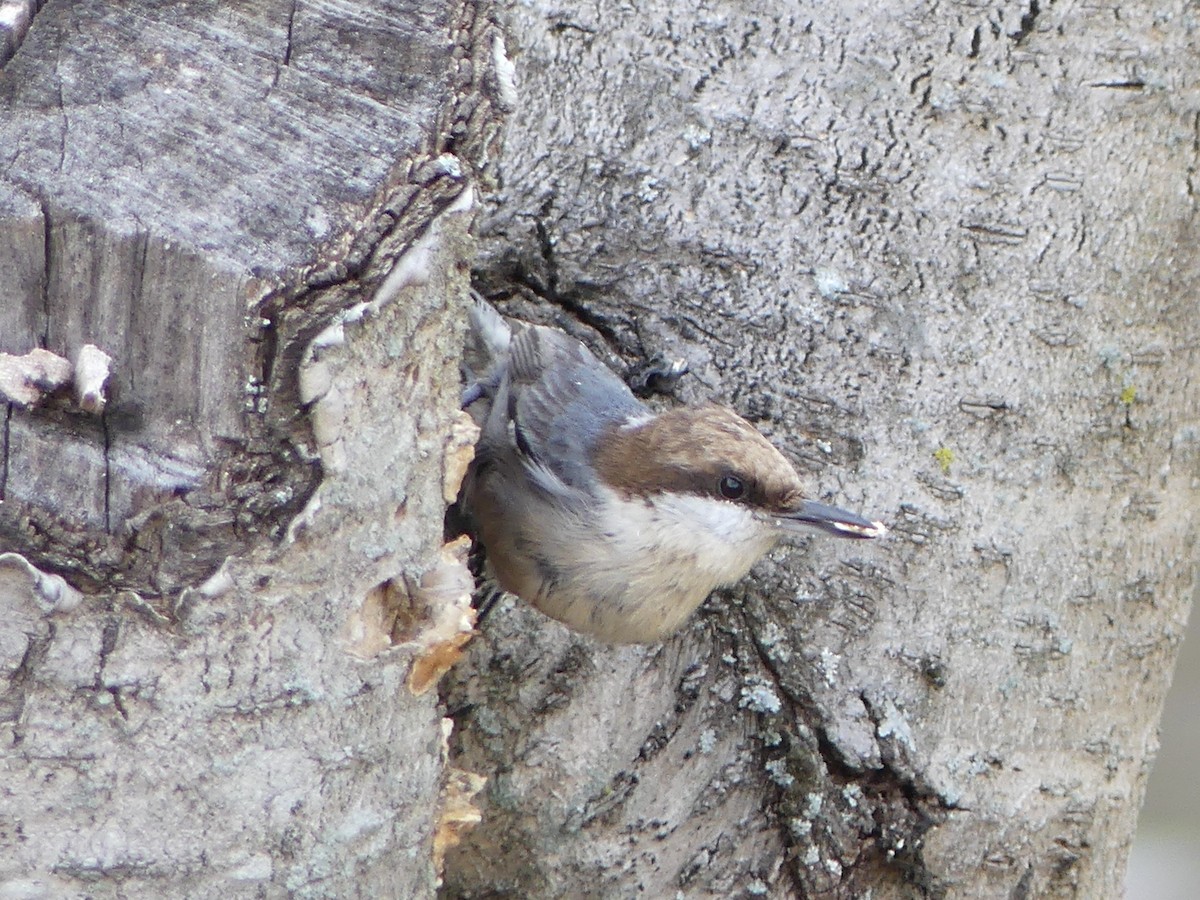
{"points": [[197, 191]]}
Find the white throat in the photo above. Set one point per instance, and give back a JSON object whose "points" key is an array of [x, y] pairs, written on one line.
{"points": [[670, 551]]}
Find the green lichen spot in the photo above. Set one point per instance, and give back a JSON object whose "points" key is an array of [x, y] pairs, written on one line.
{"points": [[944, 456], [1129, 395]]}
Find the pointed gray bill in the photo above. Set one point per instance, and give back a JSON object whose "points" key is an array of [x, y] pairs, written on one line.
{"points": [[831, 520]]}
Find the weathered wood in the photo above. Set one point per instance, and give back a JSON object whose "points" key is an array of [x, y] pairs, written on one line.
{"points": [[215, 701], [944, 256], [197, 191]]}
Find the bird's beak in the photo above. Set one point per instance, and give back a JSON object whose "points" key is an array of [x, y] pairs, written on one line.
{"points": [[831, 520]]}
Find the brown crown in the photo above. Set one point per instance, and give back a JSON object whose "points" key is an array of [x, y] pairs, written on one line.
{"points": [[689, 450]]}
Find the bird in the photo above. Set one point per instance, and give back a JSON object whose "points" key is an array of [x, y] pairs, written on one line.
{"points": [[606, 515]]}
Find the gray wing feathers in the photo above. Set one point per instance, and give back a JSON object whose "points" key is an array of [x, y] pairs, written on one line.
{"points": [[560, 400]]}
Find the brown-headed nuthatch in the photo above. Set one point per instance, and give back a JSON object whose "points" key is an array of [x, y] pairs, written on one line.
{"points": [[604, 514]]}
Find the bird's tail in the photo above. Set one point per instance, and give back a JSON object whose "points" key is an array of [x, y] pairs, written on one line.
{"points": [[488, 338], [485, 351]]}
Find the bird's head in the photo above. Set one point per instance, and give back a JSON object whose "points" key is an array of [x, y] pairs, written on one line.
{"points": [[727, 470]]}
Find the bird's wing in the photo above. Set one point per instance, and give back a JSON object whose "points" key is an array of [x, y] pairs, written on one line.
{"points": [[560, 400]]}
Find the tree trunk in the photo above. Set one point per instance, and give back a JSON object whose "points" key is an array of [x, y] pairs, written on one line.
{"points": [[941, 255], [221, 595], [944, 255]]}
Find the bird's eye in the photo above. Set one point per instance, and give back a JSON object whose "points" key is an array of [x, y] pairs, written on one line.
{"points": [[731, 487]]}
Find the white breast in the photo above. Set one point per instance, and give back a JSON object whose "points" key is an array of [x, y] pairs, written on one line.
{"points": [[641, 567]]}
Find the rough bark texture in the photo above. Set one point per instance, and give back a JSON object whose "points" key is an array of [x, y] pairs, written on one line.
{"points": [[198, 192], [944, 255], [260, 212]]}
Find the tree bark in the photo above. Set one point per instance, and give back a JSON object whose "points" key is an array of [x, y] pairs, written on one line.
{"points": [[944, 256], [941, 255], [221, 594]]}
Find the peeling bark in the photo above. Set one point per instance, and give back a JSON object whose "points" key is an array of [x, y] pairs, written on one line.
{"points": [[199, 193], [206, 281]]}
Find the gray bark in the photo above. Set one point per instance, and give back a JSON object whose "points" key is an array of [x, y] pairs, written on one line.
{"points": [[941, 255], [211, 588], [944, 255]]}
